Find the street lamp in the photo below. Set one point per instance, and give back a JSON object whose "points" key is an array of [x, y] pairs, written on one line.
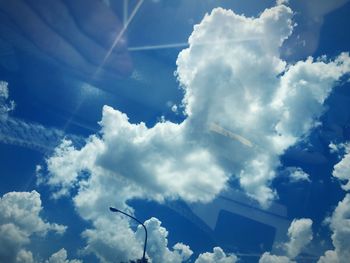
{"points": [[143, 260]]}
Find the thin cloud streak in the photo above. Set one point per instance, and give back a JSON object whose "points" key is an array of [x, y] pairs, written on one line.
{"points": [[32, 135]]}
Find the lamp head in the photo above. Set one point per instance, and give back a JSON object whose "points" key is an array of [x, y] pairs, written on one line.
{"points": [[112, 209]]}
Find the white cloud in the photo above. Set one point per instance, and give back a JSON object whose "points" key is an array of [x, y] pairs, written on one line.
{"points": [[336, 148], [19, 220], [22, 209], [339, 221], [111, 236], [32, 135], [330, 256], [112, 239], [218, 256], [297, 174], [282, 2], [232, 83], [232, 78], [158, 160], [174, 108], [158, 244], [4, 92], [340, 225], [342, 169], [24, 256], [12, 239], [61, 257], [5, 106], [300, 235], [268, 258], [187, 160]]}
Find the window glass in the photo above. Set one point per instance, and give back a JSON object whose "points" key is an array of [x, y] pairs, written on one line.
{"points": [[222, 128]]}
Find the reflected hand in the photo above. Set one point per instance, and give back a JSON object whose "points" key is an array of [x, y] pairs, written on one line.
{"points": [[74, 33]]}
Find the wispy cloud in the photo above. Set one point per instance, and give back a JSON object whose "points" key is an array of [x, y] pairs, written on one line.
{"points": [[27, 134], [33, 135]]}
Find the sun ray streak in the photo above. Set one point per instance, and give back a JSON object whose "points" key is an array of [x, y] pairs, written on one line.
{"points": [[125, 12], [119, 36]]}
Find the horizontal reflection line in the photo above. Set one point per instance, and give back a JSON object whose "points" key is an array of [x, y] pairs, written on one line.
{"points": [[176, 45], [185, 44]]}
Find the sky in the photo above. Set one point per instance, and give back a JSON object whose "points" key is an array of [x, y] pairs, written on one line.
{"points": [[223, 126]]}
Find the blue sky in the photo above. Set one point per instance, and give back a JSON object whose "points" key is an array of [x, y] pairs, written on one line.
{"points": [[223, 125]]}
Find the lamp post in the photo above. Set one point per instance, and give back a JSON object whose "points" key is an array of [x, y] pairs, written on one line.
{"points": [[143, 260]]}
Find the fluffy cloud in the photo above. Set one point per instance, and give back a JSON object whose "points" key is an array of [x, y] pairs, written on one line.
{"points": [[273, 107], [340, 225], [282, 2], [158, 244], [342, 169], [339, 221], [300, 235], [218, 256], [336, 148], [233, 80], [242, 85], [19, 220], [268, 258], [158, 159], [112, 236], [110, 240], [297, 174], [115, 240], [12, 239], [330, 256], [61, 257]]}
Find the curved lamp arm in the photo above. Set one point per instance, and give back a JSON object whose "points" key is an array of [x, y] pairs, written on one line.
{"points": [[112, 209]]}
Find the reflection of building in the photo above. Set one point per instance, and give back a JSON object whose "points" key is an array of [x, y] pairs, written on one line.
{"points": [[245, 221]]}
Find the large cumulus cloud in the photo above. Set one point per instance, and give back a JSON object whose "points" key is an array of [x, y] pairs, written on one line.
{"points": [[239, 82], [244, 105], [233, 78]]}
